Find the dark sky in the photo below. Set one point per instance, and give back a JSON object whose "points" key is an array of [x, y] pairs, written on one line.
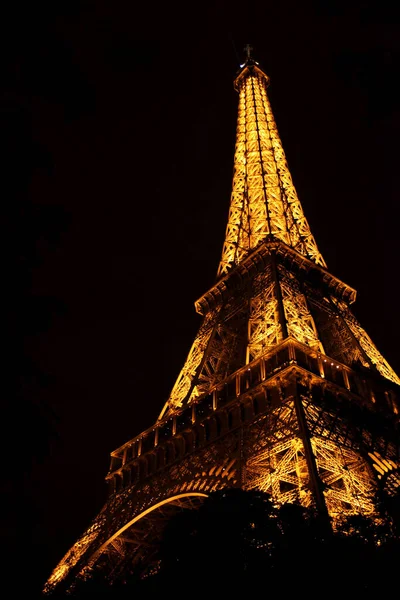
{"points": [[117, 130]]}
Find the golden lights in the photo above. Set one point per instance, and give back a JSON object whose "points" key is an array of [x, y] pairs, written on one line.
{"points": [[263, 200]]}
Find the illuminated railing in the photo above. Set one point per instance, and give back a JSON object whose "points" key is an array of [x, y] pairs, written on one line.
{"points": [[251, 381]]}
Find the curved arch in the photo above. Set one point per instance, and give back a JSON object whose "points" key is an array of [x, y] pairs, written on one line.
{"points": [[177, 500]]}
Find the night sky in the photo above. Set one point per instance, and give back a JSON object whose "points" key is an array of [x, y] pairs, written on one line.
{"points": [[117, 130]]}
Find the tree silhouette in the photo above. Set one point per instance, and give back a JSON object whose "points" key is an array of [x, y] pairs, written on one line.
{"points": [[239, 542]]}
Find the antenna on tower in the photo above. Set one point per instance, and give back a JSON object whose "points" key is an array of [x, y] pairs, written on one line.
{"points": [[248, 49], [249, 60]]}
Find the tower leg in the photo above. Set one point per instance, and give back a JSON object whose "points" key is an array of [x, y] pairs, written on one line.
{"points": [[315, 480]]}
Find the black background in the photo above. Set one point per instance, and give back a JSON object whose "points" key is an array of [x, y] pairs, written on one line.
{"points": [[118, 129]]}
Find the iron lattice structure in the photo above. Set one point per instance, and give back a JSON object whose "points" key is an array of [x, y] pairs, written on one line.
{"points": [[282, 390]]}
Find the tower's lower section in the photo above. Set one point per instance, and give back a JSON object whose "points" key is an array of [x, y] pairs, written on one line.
{"points": [[293, 423]]}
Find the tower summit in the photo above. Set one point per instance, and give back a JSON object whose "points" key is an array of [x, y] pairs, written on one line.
{"points": [[282, 390], [264, 201]]}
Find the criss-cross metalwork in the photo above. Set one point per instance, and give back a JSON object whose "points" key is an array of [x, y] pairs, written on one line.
{"points": [[264, 200], [282, 389]]}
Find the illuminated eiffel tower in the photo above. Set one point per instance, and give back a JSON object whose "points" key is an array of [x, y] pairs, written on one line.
{"points": [[282, 390]]}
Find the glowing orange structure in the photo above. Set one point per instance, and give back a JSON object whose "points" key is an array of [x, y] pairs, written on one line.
{"points": [[282, 389]]}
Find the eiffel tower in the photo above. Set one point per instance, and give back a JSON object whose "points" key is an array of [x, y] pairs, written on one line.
{"points": [[282, 390]]}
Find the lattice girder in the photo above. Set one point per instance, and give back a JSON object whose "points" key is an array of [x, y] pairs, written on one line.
{"points": [[282, 389], [264, 200], [366, 343], [255, 445], [208, 470], [249, 321]]}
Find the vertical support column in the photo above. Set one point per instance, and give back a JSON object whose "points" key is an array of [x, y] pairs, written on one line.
{"points": [[321, 366], [248, 336], [316, 483], [262, 369], [237, 379], [346, 379], [214, 400], [242, 461]]}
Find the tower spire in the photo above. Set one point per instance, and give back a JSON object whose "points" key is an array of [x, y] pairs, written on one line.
{"points": [[248, 49], [264, 202]]}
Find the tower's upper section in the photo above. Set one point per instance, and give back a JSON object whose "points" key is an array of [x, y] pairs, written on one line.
{"points": [[264, 201]]}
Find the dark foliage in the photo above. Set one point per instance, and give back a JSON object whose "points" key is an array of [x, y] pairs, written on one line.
{"points": [[238, 542]]}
